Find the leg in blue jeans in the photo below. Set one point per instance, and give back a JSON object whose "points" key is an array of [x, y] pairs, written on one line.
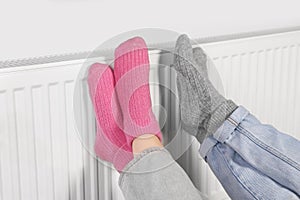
{"points": [[252, 160]]}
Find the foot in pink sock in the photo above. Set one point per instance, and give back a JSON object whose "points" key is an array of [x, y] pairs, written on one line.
{"points": [[110, 144], [131, 71]]}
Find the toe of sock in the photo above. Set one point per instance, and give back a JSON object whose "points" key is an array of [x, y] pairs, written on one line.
{"points": [[130, 45], [99, 72], [201, 59], [184, 48]]}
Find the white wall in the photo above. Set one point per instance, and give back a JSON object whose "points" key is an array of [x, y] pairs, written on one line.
{"points": [[42, 27]]}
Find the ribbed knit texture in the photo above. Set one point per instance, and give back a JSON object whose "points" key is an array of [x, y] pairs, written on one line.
{"points": [[203, 109], [110, 144], [131, 71]]}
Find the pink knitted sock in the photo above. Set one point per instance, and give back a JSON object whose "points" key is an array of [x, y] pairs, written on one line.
{"points": [[110, 144], [131, 70]]}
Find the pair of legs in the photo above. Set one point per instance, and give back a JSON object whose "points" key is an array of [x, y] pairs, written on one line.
{"points": [[251, 160]]}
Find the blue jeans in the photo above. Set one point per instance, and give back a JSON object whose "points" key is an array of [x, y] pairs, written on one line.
{"points": [[252, 160]]}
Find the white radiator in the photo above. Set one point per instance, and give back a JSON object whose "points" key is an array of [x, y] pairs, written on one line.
{"points": [[41, 155]]}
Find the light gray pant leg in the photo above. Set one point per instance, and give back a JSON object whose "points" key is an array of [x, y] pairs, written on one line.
{"points": [[154, 175]]}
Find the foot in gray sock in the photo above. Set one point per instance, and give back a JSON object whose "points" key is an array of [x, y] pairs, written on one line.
{"points": [[203, 109]]}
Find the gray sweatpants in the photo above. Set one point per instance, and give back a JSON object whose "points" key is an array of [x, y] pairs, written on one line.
{"points": [[154, 175]]}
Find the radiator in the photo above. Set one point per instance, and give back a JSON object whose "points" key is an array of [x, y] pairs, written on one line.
{"points": [[41, 153]]}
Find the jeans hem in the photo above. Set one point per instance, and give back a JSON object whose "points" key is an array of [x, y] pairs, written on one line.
{"points": [[224, 132], [137, 159]]}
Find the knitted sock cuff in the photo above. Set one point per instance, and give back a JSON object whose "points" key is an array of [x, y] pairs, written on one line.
{"points": [[218, 116]]}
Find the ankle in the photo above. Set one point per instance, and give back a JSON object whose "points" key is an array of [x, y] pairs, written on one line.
{"points": [[144, 142]]}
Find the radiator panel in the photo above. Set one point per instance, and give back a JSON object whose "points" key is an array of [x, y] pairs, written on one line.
{"points": [[42, 156]]}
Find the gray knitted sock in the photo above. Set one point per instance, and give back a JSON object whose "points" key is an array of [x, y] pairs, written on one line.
{"points": [[203, 109]]}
